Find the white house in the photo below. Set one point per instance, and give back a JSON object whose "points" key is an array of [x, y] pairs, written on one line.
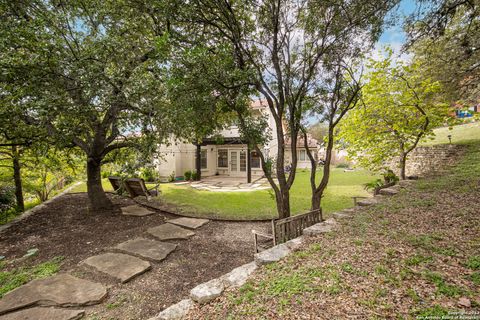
{"points": [[230, 158]]}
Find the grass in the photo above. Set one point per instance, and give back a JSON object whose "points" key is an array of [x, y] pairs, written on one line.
{"points": [[261, 204], [82, 187], [460, 134], [16, 277]]}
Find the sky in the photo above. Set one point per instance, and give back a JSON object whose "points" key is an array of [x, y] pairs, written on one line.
{"points": [[394, 36]]}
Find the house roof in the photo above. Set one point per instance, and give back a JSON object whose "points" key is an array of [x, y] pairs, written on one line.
{"points": [[312, 143]]}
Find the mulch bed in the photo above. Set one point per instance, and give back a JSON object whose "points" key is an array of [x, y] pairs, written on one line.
{"points": [[64, 228]]}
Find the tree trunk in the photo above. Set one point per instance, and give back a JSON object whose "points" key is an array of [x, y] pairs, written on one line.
{"points": [[198, 162], [318, 193], [97, 197], [283, 205], [17, 178], [403, 162]]}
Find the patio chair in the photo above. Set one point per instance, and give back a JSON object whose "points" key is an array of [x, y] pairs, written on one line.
{"points": [[116, 182], [136, 187]]}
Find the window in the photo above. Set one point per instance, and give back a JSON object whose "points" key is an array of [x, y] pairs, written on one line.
{"points": [[243, 161], [255, 157], [302, 155], [222, 158], [203, 159]]}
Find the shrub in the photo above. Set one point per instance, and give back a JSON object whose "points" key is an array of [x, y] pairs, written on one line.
{"points": [[148, 174], [7, 198], [390, 177], [343, 165], [194, 176], [188, 175], [373, 185]]}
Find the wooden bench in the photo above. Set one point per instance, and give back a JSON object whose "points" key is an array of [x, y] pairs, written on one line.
{"points": [[285, 229], [116, 183], [136, 187]]}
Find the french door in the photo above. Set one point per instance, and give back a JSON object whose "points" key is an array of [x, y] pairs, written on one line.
{"points": [[238, 162]]}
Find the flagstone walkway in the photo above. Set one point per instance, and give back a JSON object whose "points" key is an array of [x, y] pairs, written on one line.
{"points": [[43, 299]]}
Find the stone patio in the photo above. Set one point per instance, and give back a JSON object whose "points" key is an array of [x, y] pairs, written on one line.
{"points": [[169, 231], [121, 266], [228, 184]]}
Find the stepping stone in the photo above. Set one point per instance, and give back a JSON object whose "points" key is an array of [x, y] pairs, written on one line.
{"points": [[169, 231], [118, 265], [388, 192], [59, 290], [150, 249], [366, 202], [136, 211], [207, 291], [191, 223], [39, 313], [271, 255], [176, 311]]}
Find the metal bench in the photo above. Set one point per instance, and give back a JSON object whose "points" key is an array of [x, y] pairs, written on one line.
{"points": [[285, 229]]}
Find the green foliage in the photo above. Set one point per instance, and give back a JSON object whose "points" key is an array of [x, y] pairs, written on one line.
{"points": [[473, 263], [149, 174], [372, 185], [14, 278], [417, 259], [194, 175], [187, 175], [7, 198], [399, 108], [389, 177], [435, 311], [450, 56], [443, 287]]}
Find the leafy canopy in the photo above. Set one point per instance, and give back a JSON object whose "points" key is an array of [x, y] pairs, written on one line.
{"points": [[399, 108]]}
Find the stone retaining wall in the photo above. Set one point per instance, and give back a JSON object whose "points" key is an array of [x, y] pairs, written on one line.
{"points": [[429, 160]]}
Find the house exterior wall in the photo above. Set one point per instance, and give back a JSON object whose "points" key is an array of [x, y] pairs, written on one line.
{"points": [[177, 157]]}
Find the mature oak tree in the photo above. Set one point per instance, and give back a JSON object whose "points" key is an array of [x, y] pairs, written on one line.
{"points": [[88, 72]]}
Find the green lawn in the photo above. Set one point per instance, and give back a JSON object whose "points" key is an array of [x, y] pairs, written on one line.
{"points": [[460, 134], [261, 204], [82, 187]]}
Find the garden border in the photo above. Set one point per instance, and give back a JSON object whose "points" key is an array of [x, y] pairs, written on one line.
{"points": [[35, 209]]}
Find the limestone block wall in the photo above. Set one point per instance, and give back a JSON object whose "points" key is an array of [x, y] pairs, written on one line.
{"points": [[429, 160]]}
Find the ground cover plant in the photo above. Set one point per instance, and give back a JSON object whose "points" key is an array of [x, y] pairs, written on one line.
{"points": [[412, 255]]}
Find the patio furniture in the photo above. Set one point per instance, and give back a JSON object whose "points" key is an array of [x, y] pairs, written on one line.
{"points": [[116, 183], [285, 229], [136, 187]]}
